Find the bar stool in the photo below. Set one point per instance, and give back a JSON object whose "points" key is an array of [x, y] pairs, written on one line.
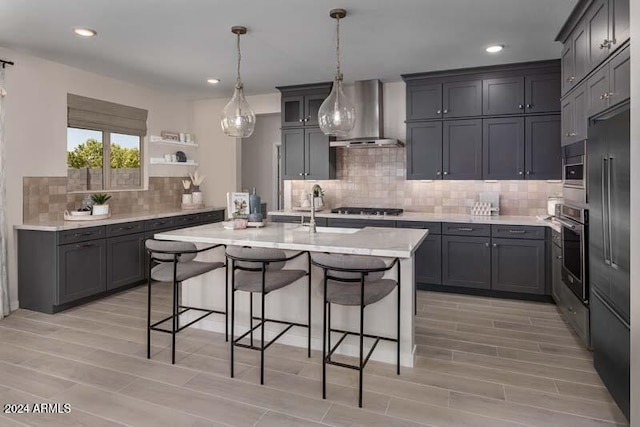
{"points": [[175, 263], [260, 270], [353, 280]]}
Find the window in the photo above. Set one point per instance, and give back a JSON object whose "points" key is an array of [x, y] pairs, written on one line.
{"points": [[104, 145]]}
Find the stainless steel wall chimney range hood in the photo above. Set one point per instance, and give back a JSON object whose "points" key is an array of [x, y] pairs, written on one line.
{"points": [[368, 131]]}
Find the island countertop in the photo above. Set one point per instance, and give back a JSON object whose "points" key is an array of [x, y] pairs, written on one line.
{"points": [[383, 242]]}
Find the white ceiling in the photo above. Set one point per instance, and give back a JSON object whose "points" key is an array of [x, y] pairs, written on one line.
{"points": [[177, 44]]}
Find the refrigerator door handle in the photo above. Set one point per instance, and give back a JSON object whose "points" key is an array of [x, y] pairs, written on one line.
{"points": [[604, 210], [613, 264]]}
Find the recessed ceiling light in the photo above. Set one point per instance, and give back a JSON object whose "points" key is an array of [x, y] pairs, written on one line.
{"points": [[85, 32], [213, 81], [495, 48]]}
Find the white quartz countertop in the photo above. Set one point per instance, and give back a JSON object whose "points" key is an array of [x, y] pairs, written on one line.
{"points": [[434, 217], [61, 224], [383, 242]]}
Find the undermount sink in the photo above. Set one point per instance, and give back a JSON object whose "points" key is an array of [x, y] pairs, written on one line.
{"points": [[330, 230]]}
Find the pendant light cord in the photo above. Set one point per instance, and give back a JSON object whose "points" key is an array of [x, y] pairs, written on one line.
{"points": [[338, 74], [238, 81]]}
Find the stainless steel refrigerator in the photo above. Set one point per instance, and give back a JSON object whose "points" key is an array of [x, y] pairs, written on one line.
{"points": [[608, 187]]}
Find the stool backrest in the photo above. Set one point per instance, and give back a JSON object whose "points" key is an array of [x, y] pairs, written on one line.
{"points": [[259, 254], [159, 247], [359, 262]]}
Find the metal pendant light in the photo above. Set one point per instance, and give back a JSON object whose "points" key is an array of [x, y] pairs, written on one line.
{"points": [[238, 119], [337, 115]]}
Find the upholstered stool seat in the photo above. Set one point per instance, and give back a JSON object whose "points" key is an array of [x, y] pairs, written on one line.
{"points": [[175, 262], [261, 271], [354, 280]]}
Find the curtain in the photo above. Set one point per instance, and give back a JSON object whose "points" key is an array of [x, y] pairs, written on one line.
{"points": [[89, 113], [4, 277]]}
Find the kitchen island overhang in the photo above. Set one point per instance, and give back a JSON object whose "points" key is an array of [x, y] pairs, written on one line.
{"points": [[290, 304]]}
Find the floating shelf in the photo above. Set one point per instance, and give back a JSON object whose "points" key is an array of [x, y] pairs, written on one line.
{"points": [[171, 142], [158, 161]]}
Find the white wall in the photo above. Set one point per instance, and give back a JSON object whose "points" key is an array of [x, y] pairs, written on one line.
{"points": [[635, 213], [36, 124]]}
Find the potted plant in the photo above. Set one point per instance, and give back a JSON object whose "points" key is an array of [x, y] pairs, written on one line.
{"points": [[196, 195], [100, 206], [318, 194]]}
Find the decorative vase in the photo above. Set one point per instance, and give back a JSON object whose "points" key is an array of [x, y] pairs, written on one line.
{"points": [[187, 199], [196, 197], [100, 210]]}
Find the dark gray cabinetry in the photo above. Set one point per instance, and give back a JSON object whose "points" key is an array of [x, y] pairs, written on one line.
{"points": [[462, 149], [542, 93], [597, 21], [543, 151], [424, 150], [580, 41], [574, 115], [568, 66], [518, 265], [428, 257], [503, 96], [503, 148], [81, 270], [125, 260], [301, 110], [466, 261], [556, 267], [424, 102], [610, 84], [306, 154], [359, 223], [293, 153], [462, 99], [621, 24], [461, 229]]}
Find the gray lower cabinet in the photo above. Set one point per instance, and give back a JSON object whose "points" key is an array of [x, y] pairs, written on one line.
{"points": [[428, 257], [466, 261], [503, 148], [556, 268], [359, 223], [81, 270], [518, 265], [125, 260]]}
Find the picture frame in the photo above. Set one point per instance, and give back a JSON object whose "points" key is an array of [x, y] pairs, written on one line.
{"points": [[170, 136], [238, 205]]}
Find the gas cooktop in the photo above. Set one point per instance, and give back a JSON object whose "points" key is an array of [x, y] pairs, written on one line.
{"points": [[367, 211]]}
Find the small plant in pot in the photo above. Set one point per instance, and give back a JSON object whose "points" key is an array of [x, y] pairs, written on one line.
{"points": [[100, 206]]}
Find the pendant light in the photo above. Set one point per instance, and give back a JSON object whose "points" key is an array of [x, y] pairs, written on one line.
{"points": [[238, 119], [337, 115]]}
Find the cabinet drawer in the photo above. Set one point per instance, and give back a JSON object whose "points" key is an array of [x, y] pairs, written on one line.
{"points": [[124, 229], [211, 217], [433, 227], [80, 235], [573, 311], [518, 231], [159, 224], [462, 229], [360, 223], [186, 220]]}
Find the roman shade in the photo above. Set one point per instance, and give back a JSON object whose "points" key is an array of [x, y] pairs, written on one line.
{"points": [[89, 113]]}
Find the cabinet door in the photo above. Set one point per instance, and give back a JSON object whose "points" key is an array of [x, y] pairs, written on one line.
{"points": [[466, 262], [503, 148], [312, 105], [598, 91], [81, 270], [556, 273], [318, 159], [518, 265], [597, 22], [580, 52], [568, 116], [567, 60], [620, 77], [580, 114], [620, 22], [503, 96], [292, 110], [424, 150], [293, 153], [428, 256], [543, 151], [462, 149], [424, 102], [125, 260], [462, 99], [542, 93]]}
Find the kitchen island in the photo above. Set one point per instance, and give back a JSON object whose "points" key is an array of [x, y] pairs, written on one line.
{"points": [[290, 303]]}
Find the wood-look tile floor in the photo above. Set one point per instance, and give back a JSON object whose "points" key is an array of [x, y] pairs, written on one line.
{"points": [[481, 362]]}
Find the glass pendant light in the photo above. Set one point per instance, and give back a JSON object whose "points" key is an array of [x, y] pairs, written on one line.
{"points": [[337, 115], [238, 119]]}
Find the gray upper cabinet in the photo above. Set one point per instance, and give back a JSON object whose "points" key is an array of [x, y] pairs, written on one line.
{"points": [[503, 148], [293, 153], [462, 149], [424, 102], [567, 60], [574, 115], [543, 150], [597, 22], [462, 99], [620, 77], [580, 41], [542, 93], [466, 261], [621, 25], [598, 91], [503, 96], [81, 270], [306, 154], [518, 265], [424, 150], [292, 108], [312, 105]]}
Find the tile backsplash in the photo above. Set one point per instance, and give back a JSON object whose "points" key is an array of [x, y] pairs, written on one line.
{"points": [[375, 177], [46, 198]]}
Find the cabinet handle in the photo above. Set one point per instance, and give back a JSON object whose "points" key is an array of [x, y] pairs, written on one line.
{"points": [[495, 245], [301, 120], [520, 173], [445, 111], [446, 173], [528, 172], [85, 245], [517, 231], [438, 173], [520, 106], [486, 245], [308, 118], [571, 79], [82, 234], [529, 106], [439, 112], [465, 229], [124, 228], [559, 256], [572, 134], [301, 173]]}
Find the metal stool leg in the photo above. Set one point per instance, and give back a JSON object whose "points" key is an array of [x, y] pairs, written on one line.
{"points": [[309, 306], [226, 301], [149, 313], [324, 338], [398, 348], [361, 340], [251, 316], [233, 310], [262, 295]]}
